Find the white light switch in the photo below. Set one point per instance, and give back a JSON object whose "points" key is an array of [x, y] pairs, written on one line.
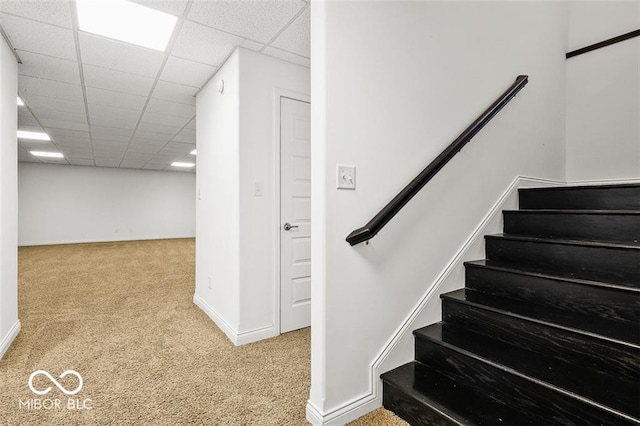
{"points": [[346, 176], [257, 189]]}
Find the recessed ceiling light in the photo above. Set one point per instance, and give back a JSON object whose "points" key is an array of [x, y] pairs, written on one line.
{"points": [[47, 154], [179, 164], [20, 102], [193, 152], [39, 136], [126, 21]]}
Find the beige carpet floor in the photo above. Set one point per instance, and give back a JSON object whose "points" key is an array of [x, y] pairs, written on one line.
{"points": [[121, 314]]}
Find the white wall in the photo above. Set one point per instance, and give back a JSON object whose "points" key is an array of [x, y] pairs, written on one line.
{"points": [[236, 230], [393, 83], [218, 206], [260, 77], [72, 204], [9, 324], [603, 93]]}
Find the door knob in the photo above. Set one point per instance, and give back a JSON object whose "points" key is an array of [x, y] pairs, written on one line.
{"points": [[287, 226]]}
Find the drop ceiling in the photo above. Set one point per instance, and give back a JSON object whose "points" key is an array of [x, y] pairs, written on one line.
{"points": [[107, 103]]}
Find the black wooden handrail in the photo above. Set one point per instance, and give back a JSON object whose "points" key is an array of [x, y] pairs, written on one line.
{"points": [[399, 201], [605, 43]]}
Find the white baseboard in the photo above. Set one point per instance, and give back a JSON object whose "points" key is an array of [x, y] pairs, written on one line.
{"points": [[237, 338], [101, 240], [6, 342]]}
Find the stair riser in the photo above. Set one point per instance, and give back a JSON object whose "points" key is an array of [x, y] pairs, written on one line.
{"points": [[577, 378], [605, 359], [411, 410], [621, 198], [597, 263], [607, 311], [601, 227], [515, 392]]}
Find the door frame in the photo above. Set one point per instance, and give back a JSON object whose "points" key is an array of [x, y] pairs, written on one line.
{"points": [[278, 94]]}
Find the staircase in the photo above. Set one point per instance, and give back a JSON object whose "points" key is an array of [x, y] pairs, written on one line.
{"points": [[547, 329]]}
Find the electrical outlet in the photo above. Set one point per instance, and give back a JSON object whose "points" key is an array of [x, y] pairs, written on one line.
{"points": [[345, 176]]}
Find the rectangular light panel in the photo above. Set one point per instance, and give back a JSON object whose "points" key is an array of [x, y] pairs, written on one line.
{"points": [[126, 21], [47, 154], [38, 136], [179, 164]]}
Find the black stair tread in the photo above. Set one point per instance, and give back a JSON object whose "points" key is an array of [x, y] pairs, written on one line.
{"points": [[580, 187], [569, 276], [575, 379], [576, 211], [452, 399], [573, 242], [461, 296], [404, 379], [614, 197], [606, 310]]}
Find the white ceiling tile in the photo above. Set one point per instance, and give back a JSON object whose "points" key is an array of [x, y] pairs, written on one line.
{"points": [[189, 73], [175, 93], [111, 139], [251, 45], [72, 152], [138, 148], [151, 136], [57, 104], [55, 12], [80, 162], [103, 115], [188, 132], [184, 138], [63, 133], [115, 99], [28, 86], [165, 120], [151, 166], [168, 131], [72, 142], [105, 162], [37, 37], [160, 106], [178, 148], [42, 66], [113, 54], [257, 20], [100, 131], [297, 37], [132, 164], [117, 81], [59, 124], [172, 7], [287, 56], [27, 121], [203, 44], [54, 114]]}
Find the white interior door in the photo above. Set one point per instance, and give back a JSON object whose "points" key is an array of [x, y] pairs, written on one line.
{"points": [[295, 215]]}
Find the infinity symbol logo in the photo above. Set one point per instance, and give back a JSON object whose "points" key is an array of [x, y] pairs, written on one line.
{"points": [[55, 382]]}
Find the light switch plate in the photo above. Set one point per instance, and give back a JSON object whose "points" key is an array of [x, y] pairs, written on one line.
{"points": [[257, 189], [345, 176]]}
